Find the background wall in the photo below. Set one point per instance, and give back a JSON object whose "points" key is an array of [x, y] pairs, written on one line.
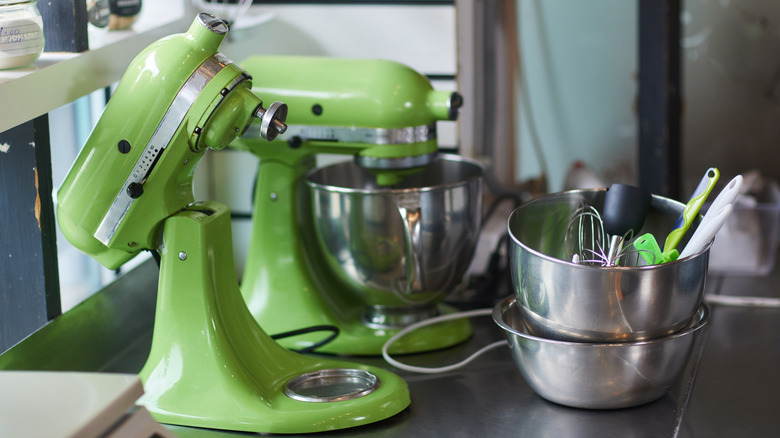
{"points": [[731, 94], [579, 89]]}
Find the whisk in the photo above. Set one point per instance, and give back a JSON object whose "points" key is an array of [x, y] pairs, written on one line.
{"points": [[605, 239], [585, 236], [588, 243]]}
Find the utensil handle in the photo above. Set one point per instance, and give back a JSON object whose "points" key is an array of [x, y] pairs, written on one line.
{"points": [[728, 195], [691, 209], [706, 231], [648, 248]]}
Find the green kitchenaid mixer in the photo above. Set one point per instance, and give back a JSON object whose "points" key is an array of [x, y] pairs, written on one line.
{"points": [[130, 189], [380, 268]]}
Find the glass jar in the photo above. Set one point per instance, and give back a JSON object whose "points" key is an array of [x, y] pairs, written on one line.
{"points": [[21, 33]]}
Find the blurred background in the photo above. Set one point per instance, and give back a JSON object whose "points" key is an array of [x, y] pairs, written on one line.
{"points": [[551, 91]]}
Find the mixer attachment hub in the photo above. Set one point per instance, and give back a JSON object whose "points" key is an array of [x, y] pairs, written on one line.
{"points": [[272, 120]]}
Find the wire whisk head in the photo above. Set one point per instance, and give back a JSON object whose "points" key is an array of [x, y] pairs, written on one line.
{"points": [[588, 243]]}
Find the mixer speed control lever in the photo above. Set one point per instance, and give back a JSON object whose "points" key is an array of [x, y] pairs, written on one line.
{"points": [[272, 120]]}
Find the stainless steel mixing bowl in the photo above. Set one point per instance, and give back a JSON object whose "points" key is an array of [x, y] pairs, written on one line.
{"points": [[597, 375], [403, 245], [567, 301]]}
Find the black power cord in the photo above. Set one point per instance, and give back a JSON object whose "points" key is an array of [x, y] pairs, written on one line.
{"points": [[317, 328]]}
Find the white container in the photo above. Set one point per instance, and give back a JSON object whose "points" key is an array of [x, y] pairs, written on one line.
{"points": [[747, 243], [21, 33]]}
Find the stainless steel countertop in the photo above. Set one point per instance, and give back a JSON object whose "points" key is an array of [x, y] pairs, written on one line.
{"points": [[736, 391]]}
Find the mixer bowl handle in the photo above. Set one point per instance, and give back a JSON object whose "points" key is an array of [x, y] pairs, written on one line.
{"points": [[411, 215]]}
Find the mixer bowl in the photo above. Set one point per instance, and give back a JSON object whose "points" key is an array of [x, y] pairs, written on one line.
{"points": [[597, 375], [403, 245], [568, 301]]}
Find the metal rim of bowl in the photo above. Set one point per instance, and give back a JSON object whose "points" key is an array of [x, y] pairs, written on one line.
{"points": [[394, 190], [588, 266], [700, 320], [363, 383]]}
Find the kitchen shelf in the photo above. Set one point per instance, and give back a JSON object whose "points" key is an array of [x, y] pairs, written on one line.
{"points": [[57, 78]]}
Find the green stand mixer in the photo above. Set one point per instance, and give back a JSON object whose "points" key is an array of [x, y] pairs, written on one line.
{"points": [[370, 245], [130, 189]]}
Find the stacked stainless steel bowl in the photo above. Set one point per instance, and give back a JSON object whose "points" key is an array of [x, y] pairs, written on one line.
{"points": [[594, 336]]}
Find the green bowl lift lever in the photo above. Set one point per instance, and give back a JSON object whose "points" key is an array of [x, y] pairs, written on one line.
{"points": [[130, 189]]}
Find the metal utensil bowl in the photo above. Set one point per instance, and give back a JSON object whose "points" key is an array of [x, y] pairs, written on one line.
{"points": [[567, 301], [404, 245], [597, 375]]}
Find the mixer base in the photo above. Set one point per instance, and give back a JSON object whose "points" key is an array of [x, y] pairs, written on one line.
{"points": [[212, 366]]}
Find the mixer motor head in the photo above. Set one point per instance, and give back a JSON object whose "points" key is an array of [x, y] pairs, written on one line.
{"points": [[178, 97], [382, 112]]}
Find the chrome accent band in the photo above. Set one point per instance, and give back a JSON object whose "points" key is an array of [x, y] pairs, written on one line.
{"points": [[162, 136], [395, 163], [243, 76], [378, 136]]}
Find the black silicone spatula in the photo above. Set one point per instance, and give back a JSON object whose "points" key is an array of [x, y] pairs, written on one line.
{"points": [[625, 209]]}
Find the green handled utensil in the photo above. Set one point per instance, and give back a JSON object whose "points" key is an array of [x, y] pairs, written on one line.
{"points": [[648, 248], [691, 209]]}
